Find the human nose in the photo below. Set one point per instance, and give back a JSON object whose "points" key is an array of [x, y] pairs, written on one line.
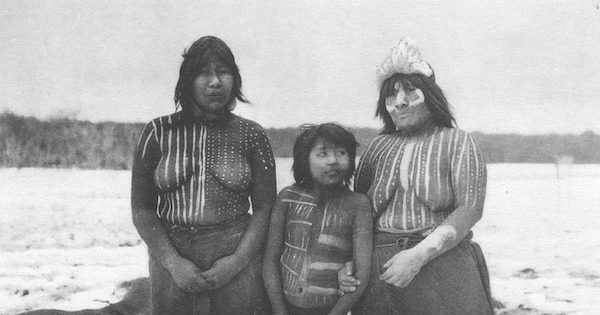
{"points": [[401, 101], [214, 80], [332, 159]]}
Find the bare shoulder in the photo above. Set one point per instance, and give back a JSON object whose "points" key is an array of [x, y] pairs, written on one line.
{"points": [[167, 121], [246, 123], [294, 193], [377, 140], [454, 133], [287, 192]]}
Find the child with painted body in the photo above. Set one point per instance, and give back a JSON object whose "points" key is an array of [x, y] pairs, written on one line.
{"points": [[317, 224]]}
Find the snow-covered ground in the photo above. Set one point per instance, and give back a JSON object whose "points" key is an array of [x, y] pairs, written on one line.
{"points": [[67, 241]]}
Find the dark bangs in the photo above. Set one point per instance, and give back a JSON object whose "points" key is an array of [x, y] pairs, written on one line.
{"points": [[203, 51], [330, 133], [434, 100]]}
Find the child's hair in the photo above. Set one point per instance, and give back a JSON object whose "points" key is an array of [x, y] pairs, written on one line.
{"points": [[328, 132]]}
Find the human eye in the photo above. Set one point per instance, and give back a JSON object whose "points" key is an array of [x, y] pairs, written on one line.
{"points": [[203, 71], [224, 70], [342, 152]]}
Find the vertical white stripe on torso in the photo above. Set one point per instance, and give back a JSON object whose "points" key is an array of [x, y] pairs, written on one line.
{"points": [[194, 179], [475, 169], [478, 170], [404, 213], [162, 136], [171, 154], [460, 160], [380, 171], [427, 181], [393, 169], [405, 174], [155, 131], [405, 164], [451, 154], [468, 175], [158, 209], [391, 213], [177, 204], [147, 141], [417, 167], [324, 218], [439, 162], [202, 177], [378, 156], [168, 150], [415, 172], [428, 166], [177, 156], [185, 164]]}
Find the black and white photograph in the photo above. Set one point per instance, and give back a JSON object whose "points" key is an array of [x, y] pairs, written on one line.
{"points": [[299, 157]]}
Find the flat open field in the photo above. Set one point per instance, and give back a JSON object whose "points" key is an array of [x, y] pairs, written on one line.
{"points": [[67, 241]]}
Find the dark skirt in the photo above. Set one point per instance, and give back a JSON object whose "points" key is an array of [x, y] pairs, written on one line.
{"points": [[455, 283], [244, 294]]}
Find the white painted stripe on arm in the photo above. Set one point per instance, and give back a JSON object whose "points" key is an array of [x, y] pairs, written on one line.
{"points": [[320, 290], [295, 247], [325, 266], [334, 241]]}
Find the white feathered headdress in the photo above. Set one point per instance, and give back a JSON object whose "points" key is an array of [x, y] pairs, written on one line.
{"points": [[404, 58]]}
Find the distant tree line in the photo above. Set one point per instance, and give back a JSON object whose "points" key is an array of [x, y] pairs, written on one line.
{"points": [[64, 142]]}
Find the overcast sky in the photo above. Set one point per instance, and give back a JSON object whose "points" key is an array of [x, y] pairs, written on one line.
{"points": [[525, 67]]}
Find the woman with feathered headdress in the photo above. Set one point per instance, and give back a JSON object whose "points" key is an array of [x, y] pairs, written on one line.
{"points": [[426, 181]]}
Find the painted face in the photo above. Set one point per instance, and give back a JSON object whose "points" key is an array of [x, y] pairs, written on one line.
{"points": [[212, 88], [407, 106], [329, 164]]}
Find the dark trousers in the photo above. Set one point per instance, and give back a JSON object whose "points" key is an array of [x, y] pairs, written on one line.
{"points": [[455, 283], [244, 294]]}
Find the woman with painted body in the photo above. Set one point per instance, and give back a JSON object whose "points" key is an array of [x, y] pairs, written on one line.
{"points": [[194, 175], [426, 181]]}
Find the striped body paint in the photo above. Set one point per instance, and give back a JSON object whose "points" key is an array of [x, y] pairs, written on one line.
{"points": [[203, 172], [318, 241], [415, 183]]}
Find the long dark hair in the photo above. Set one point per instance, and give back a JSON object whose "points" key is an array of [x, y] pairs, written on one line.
{"points": [[434, 100], [328, 132], [198, 55]]}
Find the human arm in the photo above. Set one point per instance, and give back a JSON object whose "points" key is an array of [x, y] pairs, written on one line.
{"points": [[362, 182], [362, 249], [363, 177], [273, 250], [262, 195], [468, 177], [144, 195]]}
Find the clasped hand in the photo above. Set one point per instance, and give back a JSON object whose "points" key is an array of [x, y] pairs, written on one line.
{"points": [[400, 270], [222, 271], [189, 278]]}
